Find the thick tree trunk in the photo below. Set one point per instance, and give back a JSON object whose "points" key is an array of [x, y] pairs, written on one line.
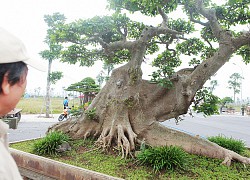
{"points": [[128, 110]]}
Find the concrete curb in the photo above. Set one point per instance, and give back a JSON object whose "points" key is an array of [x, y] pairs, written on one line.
{"points": [[37, 167]]}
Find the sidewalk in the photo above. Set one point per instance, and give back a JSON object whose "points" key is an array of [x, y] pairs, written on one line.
{"points": [[38, 117]]}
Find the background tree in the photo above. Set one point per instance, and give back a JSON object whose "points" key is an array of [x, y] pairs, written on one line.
{"points": [[87, 87], [128, 109], [105, 73], [225, 101], [51, 54], [37, 91], [213, 84], [235, 83], [100, 78]]}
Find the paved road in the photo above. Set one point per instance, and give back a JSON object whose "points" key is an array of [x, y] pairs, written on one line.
{"points": [[30, 127], [229, 125], [235, 126]]}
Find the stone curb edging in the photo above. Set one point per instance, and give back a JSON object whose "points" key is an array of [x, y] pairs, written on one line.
{"points": [[52, 169]]}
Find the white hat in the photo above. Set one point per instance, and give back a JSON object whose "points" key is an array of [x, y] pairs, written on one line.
{"points": [[12, 50]]}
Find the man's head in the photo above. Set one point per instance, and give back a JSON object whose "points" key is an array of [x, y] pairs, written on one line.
{"points": [[13, 70], [12, 85]]}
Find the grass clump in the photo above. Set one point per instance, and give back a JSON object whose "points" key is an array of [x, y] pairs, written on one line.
{"points": [[164, 157], [49, 144], [235, 145]]}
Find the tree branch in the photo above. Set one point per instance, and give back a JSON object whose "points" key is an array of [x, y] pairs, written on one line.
{"points": [[164, 18], [242, 40], [150, 32], [211, 16], [124, 35], [96, 37], [196, 21]]}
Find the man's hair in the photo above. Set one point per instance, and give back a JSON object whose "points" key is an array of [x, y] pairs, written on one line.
{"points": [[14, 72]]}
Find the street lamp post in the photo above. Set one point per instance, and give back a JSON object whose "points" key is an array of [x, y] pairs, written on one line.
{"points": [[240, 80]]}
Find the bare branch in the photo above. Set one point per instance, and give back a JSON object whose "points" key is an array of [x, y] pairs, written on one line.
{"points": [[211, 16], [196, 21], [211, 46], [164, 18], [150, 32]]}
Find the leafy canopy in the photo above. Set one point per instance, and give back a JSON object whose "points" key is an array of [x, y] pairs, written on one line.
{"points": [[85, 86], [86, 40], [190, 39]]}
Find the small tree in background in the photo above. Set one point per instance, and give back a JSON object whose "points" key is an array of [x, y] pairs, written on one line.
{"points": [[87, 87], [226, 100], [100, 78], [105, 73], [213, 84], [37, 91], [235, 84], [51, 54]]}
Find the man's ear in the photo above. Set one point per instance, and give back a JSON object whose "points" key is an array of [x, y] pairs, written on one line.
{"points": [[5, 85]]}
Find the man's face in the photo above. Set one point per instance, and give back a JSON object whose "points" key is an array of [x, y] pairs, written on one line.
{"points": [[11, 94]]}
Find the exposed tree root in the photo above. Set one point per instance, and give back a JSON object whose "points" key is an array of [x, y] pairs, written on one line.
{"points": [[158, 135], [124, 138], [125, 143], [230, 156], [77, 128]]}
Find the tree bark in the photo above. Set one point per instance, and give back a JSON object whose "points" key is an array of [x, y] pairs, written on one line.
{"points": [[47, 98], [128, 111]]}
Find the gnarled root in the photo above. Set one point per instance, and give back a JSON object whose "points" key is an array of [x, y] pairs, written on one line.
{"points": [[77, 128], [159, 135], [124, 137], [230, 155], [125, 143]]}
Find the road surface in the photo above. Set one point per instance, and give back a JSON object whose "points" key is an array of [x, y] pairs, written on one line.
{"points": [[229, 125], [30, 127], [235, 126]]}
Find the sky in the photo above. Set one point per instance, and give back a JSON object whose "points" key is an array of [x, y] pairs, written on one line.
{"points": [[24, 18]]}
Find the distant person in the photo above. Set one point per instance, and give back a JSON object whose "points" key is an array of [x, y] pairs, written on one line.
{"points": [[13, 73], [242, 110], [65, 103]]}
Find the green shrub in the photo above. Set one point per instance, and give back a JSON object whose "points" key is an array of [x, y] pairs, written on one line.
{"points": [[168, 157], [49, 144], [76, 111], [91, 113], [237, 146]]}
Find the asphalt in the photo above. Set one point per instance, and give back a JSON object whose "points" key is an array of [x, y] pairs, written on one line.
{"points": [[230, 125], [31, 126]]}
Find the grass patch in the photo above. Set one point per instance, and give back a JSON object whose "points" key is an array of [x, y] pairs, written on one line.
{"points": [[164, 157], [232, 144], [36, 105], [26, 146], [84, 154]]}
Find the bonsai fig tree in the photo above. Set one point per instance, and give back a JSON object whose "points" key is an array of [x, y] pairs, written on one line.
{"points": [[128, 109]]}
